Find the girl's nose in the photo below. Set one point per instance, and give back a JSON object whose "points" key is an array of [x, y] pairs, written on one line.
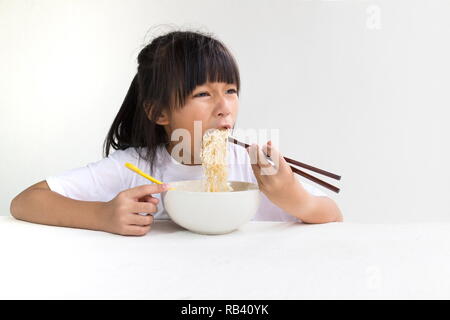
{"points": [[224, 113], [223, 108]]}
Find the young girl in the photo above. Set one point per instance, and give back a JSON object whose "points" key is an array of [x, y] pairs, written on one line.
{"points": [[182, 77]]}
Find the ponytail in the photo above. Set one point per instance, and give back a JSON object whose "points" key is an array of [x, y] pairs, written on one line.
{"points": [[120, 134]]}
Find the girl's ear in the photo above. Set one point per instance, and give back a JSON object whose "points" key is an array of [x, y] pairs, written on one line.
{"points": [[163, 119]]}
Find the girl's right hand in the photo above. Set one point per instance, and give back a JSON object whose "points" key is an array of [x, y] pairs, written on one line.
{"points": [[121, 214]]}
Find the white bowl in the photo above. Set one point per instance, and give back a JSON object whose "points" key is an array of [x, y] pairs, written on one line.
{"points": [[211, 212]]}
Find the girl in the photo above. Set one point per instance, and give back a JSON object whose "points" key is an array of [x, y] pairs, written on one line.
{"points": [[182, 77]]}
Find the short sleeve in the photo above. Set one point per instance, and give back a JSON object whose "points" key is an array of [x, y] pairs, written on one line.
{"points": [[97, 181]]}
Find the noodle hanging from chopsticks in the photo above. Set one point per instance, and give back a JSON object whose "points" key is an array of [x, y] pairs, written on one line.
{"points": [[214, 160]]}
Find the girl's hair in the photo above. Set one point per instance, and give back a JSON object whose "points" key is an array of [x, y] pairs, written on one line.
{"points": [[169, 69]]}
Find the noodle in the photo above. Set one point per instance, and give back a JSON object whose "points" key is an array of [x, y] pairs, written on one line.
{"points": [[214, 160]]}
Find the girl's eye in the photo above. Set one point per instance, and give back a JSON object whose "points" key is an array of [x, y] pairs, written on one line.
{"points": [[205, 94], [201, 94]]}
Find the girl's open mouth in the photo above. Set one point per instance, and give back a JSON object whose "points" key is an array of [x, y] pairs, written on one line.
{"points": [[223, 126]]}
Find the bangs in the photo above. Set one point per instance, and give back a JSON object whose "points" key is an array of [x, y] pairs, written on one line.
{"points": [[195, 61]]}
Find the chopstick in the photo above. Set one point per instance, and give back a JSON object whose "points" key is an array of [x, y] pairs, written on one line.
{"points": [[302, 165]]}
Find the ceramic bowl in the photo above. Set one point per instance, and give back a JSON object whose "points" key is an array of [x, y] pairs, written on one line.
{"points": [[211, 212]]}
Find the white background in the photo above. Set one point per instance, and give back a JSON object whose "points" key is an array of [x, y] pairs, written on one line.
{"points": [[359, 88]]}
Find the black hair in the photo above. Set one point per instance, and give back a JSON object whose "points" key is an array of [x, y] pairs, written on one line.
{"points": [[169, 69]]}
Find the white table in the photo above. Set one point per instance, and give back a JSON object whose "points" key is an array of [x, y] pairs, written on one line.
{"points": [[262, 260]]}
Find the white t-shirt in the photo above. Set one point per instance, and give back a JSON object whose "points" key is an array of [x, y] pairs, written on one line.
{"points": [[104, 179]]}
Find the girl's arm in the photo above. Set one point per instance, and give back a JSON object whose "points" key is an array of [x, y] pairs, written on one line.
{"points": [[39, 204], [308, 208], [283, 189]]}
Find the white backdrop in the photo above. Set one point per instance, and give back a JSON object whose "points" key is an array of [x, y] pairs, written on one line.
{"points": [[356, 87]]}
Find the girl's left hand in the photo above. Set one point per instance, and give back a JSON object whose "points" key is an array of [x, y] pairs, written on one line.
{"points": [[277, 182]]}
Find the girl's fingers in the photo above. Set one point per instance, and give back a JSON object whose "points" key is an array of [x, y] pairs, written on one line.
{"points": [[267, 149], [252, 152], [273, 153], [257, 157], [267, 169], [143, 207], [262, 159], [261, 166], [149, 199], [144, 190], [139, 220], [277, 158], [138, 230], [145, 198]]}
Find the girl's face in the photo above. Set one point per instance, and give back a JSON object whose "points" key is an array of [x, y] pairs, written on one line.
{"points": [[215, 104]]}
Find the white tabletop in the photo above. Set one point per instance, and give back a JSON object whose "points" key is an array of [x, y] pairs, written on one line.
{"points": [[261, 260]]}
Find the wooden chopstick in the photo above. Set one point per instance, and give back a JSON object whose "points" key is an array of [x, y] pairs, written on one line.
{"points": [[300, 172], [307, 166], [316, 180]]}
